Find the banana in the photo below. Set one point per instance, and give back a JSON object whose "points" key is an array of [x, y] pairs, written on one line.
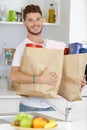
{"points": [[52, 121], [51, 124]]}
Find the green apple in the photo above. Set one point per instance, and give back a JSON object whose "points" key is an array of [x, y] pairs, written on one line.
{"points": [[25, 122], [23, 116]]}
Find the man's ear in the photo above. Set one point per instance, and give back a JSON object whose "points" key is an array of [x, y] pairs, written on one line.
{"points": [[24, 23]]}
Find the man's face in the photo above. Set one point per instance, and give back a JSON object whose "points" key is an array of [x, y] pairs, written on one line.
{"points": [[34, 23]]}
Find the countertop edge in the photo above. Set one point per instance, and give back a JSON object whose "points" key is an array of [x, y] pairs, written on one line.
{"points": [[9, 94]]}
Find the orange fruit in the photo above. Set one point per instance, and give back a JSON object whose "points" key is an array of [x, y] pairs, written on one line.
{"points": [[38, 122]]}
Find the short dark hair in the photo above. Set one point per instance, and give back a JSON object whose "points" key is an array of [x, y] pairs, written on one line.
{"points": [[31, 9]]}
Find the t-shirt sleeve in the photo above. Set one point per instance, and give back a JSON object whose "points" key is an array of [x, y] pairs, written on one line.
{"points": [[18, 56]]}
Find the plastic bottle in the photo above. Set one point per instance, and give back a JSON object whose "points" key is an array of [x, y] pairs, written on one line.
{"points": [[51, 17], [4, 51]]}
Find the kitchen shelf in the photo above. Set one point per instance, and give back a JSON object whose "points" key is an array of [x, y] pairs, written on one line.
{"points": [[21, 23], [18, 6]]}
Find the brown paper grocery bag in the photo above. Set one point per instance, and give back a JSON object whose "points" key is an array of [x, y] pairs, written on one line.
{"points": [[34, 61], [73, 72]]}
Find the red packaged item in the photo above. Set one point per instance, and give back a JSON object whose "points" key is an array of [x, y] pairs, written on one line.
{"points": [[33, 45], [66, 51]]}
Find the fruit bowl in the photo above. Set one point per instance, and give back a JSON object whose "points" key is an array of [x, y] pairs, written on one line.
{"points": [[21, 128], [25, 121]]}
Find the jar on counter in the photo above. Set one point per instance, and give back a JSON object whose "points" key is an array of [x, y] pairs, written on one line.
{"points": [[8, 56], [1, 83], [4, 83]]}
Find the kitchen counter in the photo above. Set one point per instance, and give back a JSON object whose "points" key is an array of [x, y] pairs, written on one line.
{"points": [[75, 125], [9, 102], [79, 118], [9, 94], [61, 124]]}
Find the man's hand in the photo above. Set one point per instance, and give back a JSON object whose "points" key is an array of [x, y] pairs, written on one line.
{"points": [[47, 77]]}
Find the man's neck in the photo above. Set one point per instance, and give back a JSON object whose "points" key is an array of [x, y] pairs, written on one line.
{"points": [[36, 38]]}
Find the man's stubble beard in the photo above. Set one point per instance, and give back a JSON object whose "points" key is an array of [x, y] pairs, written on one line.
{"points": [[35, 33]]}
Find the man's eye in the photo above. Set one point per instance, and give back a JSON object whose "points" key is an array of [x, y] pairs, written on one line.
{"points": [[29, 20], [38, 19]]}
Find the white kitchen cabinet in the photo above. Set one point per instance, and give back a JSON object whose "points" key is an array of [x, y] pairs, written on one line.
{"points": [[9, 102], [19, 5]]}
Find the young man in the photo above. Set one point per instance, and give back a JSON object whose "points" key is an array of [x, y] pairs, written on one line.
{"points": [[33, 22]]}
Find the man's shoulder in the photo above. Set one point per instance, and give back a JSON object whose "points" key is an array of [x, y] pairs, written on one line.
{"points": [[55, 44], [22, 44]]}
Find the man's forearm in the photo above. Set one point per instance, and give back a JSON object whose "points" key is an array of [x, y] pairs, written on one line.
{"points": [[43, 78], [21, 77], [24, 78]]}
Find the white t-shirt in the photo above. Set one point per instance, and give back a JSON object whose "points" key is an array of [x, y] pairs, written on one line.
{"points": [[35, 101]]}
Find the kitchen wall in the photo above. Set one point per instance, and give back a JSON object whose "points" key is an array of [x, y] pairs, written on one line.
{"points": [[78, 21]]}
